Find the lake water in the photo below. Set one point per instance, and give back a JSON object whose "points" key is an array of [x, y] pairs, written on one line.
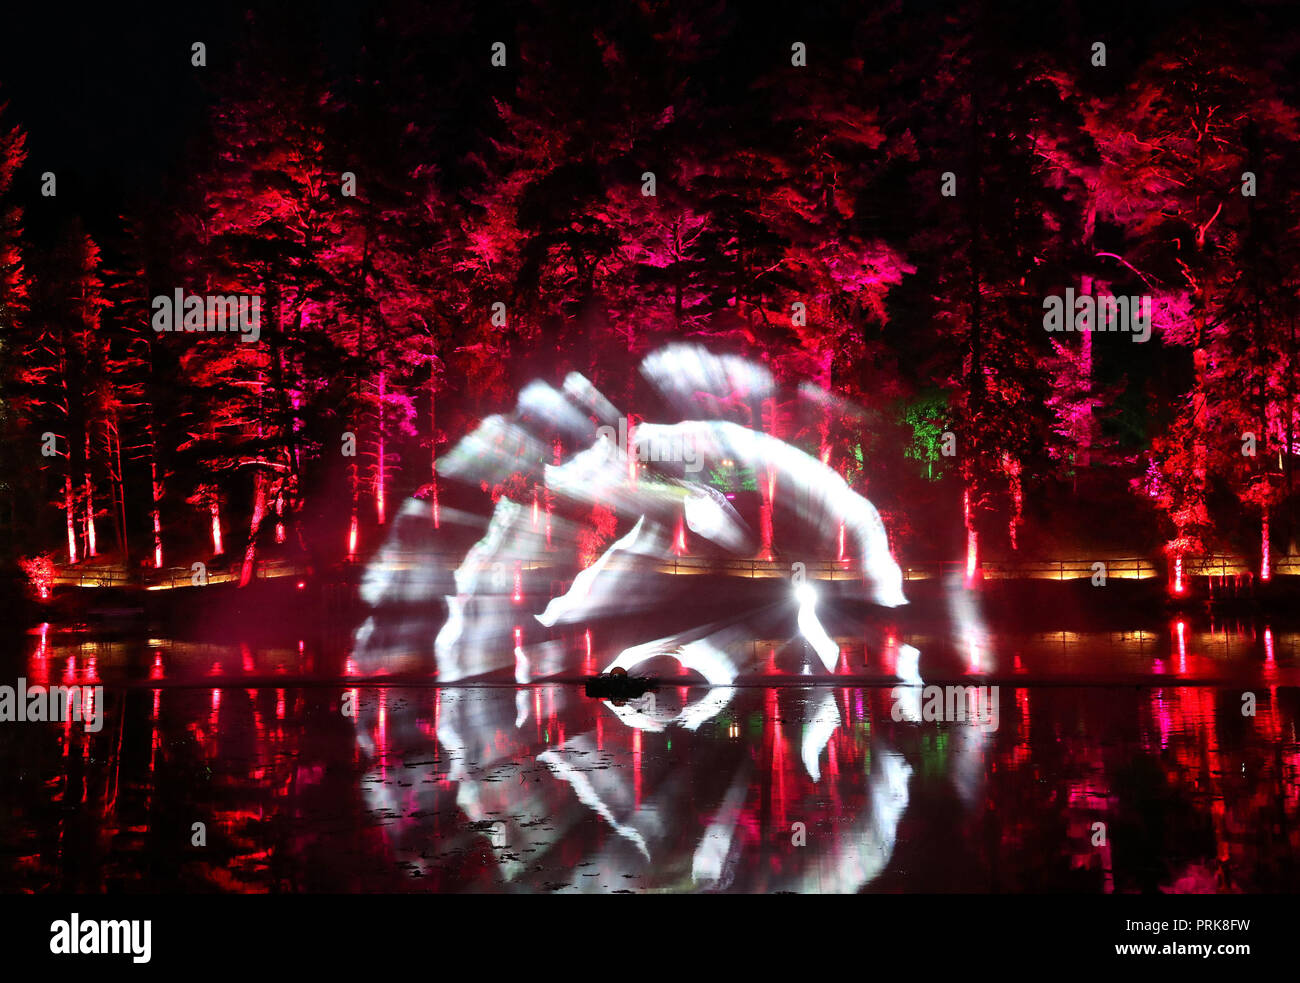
{"points": [[1113, 761]]}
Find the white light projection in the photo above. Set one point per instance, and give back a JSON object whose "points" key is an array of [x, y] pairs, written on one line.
{"points": [[499, 612], [550, 444], [497, 587]]}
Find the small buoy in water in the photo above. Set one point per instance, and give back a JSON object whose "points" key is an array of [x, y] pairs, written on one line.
{"points": [[618, 686]]}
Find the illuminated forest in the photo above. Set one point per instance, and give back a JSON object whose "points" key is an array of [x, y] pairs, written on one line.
{"points": [[443, 205]]}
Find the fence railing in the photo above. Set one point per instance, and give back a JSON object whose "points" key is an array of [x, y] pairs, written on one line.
{"points": [[166, 577], [1117, 568]]}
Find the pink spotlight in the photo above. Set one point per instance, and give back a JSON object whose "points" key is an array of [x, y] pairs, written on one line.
{"points": [[1265, 564], [972, 544]]}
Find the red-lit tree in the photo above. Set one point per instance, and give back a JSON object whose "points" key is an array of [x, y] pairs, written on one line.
{"points": [[13, 302]]}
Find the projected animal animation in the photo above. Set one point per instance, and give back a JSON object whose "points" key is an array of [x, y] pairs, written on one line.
{"points": [[652, 482], [655, 481]]}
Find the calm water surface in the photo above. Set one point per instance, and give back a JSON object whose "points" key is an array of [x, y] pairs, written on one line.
{"points": [[1117, 761]]}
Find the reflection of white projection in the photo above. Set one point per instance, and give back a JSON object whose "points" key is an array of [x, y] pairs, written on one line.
{"points": [[858, 858], [708, 864], [907, 695], [817, 734], [969, 764], [543, 809], [644, 713], [702, 656], [522, 675], [449, 737], [588, 796]]}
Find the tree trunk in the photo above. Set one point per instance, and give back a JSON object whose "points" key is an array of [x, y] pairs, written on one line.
{"points": [[259, 512]]}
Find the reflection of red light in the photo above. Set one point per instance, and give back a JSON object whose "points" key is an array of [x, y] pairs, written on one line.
{"points": [[636, 766], [40, 669]]}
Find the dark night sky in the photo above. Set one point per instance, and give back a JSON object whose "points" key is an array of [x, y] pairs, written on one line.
{"points": [[107, 96], [110, 100]]}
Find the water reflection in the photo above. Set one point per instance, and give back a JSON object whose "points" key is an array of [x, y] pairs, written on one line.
{"points": [[756, 649], [788, 784]]}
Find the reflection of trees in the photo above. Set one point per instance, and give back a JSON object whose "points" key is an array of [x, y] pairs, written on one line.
{"points": [[538, 788], [1194, 797]]}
